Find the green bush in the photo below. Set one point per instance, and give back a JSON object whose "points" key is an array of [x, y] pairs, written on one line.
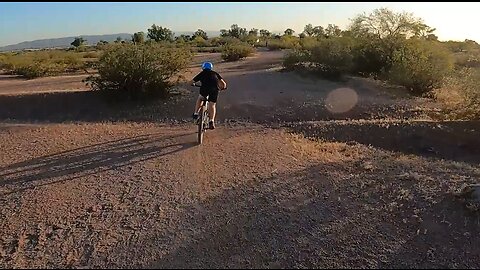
{"points": [[200, 42], [235, 52], [285, 42], [332, 57], [275, 45], [31, 71], [294, 59], [370, 57], [420, 66], [138, 71], [308, 43], [207, 49]]}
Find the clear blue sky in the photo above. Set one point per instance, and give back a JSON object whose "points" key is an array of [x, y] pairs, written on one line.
{"points": [[29, 21]]}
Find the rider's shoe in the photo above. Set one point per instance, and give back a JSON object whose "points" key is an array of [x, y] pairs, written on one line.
{"points": [[195, 116], [211, 125]]}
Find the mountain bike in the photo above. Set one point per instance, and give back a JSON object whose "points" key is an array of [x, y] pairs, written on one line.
{"points": [[203, 118]]}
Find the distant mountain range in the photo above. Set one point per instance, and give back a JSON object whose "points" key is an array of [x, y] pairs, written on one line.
{"points": [[91, 40]]}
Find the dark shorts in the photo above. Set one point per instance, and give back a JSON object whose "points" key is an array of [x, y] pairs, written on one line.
{"points": [[210, 94]]}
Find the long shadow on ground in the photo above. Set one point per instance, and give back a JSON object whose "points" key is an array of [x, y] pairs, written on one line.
{"points": [[89, 160]]}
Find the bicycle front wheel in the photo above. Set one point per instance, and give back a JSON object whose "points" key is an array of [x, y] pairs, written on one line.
{"points": [[201, 125]]}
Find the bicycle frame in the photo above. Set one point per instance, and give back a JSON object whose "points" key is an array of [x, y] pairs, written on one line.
{"points": [[203, 119]]}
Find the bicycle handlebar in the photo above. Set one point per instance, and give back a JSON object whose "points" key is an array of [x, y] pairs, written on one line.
{"points": [[194, 84]]}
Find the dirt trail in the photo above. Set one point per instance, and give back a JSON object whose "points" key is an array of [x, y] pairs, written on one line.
{"points": [[138, 193]]}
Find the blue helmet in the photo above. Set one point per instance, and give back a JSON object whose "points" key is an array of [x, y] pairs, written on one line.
{"points": [[207, 65]]}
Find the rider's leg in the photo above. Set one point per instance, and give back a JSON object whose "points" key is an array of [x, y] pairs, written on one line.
{"points": [[212, 110], [198, 104]]}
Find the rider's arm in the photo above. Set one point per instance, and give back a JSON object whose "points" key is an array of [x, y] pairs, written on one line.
{"points": [[195, 79], [224, 84], [222, 81]]}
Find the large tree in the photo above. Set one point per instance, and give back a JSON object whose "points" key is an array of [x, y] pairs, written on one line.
{"points": [[159, 33], [384, 24], [333, 30]]}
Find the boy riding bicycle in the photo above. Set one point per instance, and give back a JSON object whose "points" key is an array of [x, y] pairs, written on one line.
{"points": [[211, 81]]}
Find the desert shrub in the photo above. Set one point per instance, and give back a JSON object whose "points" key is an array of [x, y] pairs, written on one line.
{"points": [[138, 71], [92, 54], [308, 43], [200, 42], [420, 66], [465, 59], [34, 70], [370, 58], [275, 45], [221, 41], [3, 61], [294, 59], [207, 49], [285, 42], [460, 93], [236, 51], [329, 58], [41, 63], [332, 57]]}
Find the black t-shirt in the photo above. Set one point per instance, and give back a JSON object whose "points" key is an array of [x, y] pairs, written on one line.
{"points": [[209, 79]]}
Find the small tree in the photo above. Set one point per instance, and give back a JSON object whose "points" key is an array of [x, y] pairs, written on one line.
{"points": [[308, 30], [101, 44], [159, 33], [79, 41], [200, 33], [311, 31], [253, 32], [289, 32], [235, 31], [223, 33], [318, 31], [138, 38], [183, 38], [265, 33], [118, 40]]}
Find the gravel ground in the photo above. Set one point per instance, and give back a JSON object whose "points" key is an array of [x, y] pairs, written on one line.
{"points": [[287, 180]]}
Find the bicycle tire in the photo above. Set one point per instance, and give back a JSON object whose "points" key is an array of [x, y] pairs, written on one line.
{"points": [[201, 125]]}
